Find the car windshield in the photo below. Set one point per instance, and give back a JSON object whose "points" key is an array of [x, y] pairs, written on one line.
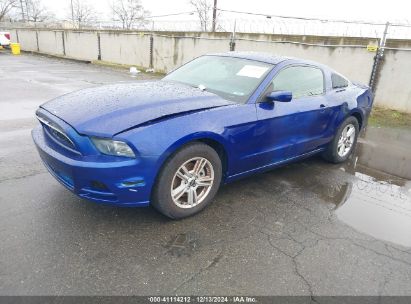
{"points": [[232, 78]]}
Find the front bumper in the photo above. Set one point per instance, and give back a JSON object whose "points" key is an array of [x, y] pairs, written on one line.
{"points": [[123, 182]]}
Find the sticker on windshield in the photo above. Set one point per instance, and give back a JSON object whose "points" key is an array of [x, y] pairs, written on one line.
{"points": [[253, 71]]}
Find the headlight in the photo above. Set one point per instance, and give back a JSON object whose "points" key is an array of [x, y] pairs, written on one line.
{"points": [[113, 147]]}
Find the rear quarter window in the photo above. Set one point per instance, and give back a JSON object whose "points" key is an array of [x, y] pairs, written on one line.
{"points": [[338, 81]]}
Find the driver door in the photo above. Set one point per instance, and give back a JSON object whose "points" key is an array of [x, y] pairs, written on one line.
{"points": [[290, 129]]}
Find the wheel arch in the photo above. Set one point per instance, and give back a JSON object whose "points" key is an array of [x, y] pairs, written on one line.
{"points": [[221, 151], [213, 140], [359, 116]]}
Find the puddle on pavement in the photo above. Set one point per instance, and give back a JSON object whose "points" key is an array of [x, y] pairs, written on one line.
{"points": [[372, 191], [377, 199], [379, 206]]}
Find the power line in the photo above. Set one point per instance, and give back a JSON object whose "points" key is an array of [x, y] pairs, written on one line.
{"points": [[174, 14], [400, 24], [312, 19]]}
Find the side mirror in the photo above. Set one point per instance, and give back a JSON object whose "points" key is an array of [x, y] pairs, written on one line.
{"points": [[281, 96]]}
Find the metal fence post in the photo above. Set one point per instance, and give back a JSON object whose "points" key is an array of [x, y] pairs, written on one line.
{"points": [[232, 40], [377, 59], [64, 43], [151, 50], [37, 41], [99, 46]]}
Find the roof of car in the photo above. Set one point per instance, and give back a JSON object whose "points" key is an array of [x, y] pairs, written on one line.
{"points": [[258, 56]]}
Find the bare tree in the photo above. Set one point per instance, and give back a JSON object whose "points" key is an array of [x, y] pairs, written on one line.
{"points": [[36, 11], [204, 11], [5, 7], [82, 13], [129, 12]]}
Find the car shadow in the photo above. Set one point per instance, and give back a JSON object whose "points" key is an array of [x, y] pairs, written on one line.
{"points": [[256, 189]]}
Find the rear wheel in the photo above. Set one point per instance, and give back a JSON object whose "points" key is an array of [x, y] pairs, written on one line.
{"points": [[188, 181], [341, 147]]}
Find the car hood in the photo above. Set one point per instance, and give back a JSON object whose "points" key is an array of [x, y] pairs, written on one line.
{"points": [[111, 109]]}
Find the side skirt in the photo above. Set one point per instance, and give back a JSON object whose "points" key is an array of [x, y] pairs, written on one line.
{"points": [[268, 167]]}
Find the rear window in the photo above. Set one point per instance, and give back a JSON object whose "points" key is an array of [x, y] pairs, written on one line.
{"points": [[338, 81]]}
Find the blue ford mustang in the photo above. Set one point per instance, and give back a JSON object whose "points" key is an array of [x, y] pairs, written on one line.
{"points": [[172, 142]]}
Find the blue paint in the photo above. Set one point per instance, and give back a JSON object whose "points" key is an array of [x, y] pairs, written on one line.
{"points": [[156, 118]]}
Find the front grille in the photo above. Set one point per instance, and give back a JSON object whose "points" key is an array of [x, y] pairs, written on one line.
{"points": [[60, 137], [56, 132]]}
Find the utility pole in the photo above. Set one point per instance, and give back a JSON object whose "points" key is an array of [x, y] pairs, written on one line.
{"points": [[383, 40], [22, 10], [378, 58], [214, 15], [72, 12]]}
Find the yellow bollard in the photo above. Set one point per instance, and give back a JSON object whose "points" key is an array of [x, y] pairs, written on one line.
{"points": [[15, 48]]}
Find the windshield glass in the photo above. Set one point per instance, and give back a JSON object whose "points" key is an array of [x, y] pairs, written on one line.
{"points": [[232, 78]]}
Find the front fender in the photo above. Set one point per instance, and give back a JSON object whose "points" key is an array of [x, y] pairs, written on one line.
{"points": [[163, 139], [224, 127], [198, 136]]}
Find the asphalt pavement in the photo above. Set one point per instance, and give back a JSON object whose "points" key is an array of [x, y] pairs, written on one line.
{"points": [[309, 228]]}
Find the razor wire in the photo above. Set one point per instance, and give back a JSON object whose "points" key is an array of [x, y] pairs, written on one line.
{"points": [[252, 23]]}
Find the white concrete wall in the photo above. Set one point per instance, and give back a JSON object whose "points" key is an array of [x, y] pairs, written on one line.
{"points": [[81, 45], [171, 50], [394, 84], [354, 63], [170, 53], [51, 42], [27, 40], [13, 35], [124, 48]]}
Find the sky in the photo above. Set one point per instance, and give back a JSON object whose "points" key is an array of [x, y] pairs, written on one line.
{"points": [[393, 10]]}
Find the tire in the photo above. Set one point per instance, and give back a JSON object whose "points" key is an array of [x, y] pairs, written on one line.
{"points": [[189, 185], [336, 152]]}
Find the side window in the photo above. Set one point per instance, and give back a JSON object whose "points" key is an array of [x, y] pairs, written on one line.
{"points": [[300, 80], [338, 81]]}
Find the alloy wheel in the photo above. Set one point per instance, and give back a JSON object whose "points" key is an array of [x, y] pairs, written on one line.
{"points": [[192, 182], [346, 140]]}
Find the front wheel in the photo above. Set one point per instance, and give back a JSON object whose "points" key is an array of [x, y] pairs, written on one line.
{"points": [[188, 181], [341, 147]]}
